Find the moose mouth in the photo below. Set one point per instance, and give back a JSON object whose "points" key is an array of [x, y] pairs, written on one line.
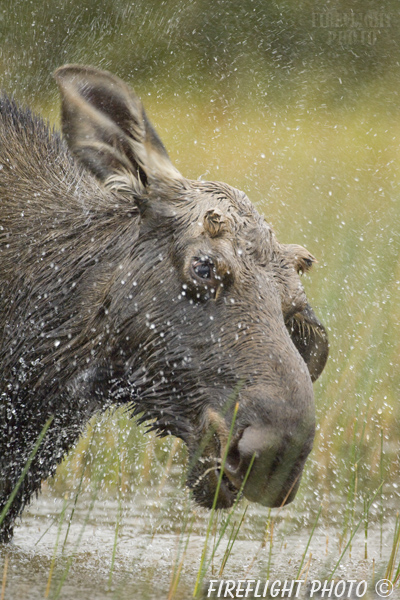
{"points": [[255, 462], [226, 487], [210, 485]]}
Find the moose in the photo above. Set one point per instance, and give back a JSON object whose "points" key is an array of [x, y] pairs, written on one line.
{"points": [[124, 283]]}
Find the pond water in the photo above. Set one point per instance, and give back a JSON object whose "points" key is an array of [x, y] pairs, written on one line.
{"points": [[138, 560]]}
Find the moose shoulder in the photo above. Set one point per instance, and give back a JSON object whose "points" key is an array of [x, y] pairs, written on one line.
{"points": [[121, 281]]}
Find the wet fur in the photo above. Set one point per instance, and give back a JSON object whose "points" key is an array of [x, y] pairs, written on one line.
{"points": [[98, 307]]}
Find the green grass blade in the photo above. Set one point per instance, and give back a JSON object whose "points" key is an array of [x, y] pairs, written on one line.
{"points": [[25, 469], [309, 541], [201, 570], [354, 533]]}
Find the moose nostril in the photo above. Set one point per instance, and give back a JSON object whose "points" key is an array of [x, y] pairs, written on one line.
{"points": [[233, 458], [251, 442], [248, 443], [266, 464]]}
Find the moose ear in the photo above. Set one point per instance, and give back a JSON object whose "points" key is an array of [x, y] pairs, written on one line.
{"points": [[106, 128], [311, 340]]}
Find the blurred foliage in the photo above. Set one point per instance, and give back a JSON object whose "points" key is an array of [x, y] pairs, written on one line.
{"points": [[248, 47]]}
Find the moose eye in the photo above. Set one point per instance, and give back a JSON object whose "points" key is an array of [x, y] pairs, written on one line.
{"points": [[203, 268]]}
